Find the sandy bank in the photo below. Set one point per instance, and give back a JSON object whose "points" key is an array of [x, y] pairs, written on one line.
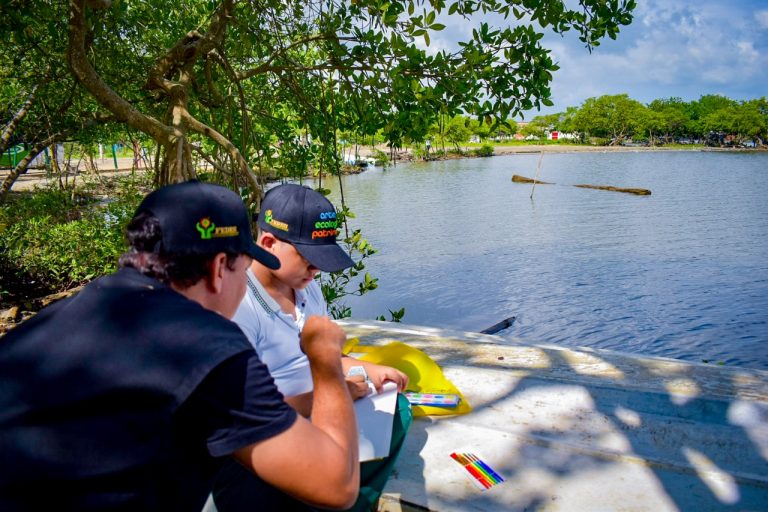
{"points": [[551, 148]]}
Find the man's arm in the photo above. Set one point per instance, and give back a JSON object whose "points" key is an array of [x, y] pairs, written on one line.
{"points": [[316, 462], [301, 403]]}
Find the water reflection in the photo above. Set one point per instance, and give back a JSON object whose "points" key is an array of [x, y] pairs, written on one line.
{"points": [[681, 273]]}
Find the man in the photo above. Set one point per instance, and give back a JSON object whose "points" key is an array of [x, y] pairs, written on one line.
{"points": [[129, 395], [299, 227]]}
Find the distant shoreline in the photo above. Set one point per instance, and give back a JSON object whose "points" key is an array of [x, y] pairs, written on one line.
{"points": [[106, 166], [500, 150], [552, 148]]}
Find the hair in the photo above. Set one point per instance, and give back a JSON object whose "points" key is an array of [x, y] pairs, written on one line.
{"points": [[145, 236]]}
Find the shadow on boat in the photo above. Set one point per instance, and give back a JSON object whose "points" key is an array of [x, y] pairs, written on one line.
{"points": [[582, 429]]}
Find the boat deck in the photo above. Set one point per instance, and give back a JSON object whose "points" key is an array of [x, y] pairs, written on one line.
{"points": [[581, 429]]}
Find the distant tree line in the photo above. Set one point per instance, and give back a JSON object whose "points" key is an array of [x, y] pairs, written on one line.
{"points": [[615, 119]]}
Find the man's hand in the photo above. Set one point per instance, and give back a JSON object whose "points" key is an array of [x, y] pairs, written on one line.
{"points": [[322, 340]]}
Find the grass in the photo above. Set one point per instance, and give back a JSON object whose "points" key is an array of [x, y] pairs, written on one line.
{"points": [[7, 161]]}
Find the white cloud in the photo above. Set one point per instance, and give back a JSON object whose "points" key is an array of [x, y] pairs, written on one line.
{"points": [[435, 45], [684, 48], [762, 18], [747, 51]]}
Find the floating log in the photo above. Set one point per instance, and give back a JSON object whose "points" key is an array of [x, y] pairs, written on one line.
{"points": [[636, 191], [516, 178], [504, 324]]}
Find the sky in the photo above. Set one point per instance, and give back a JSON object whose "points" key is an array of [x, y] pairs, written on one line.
{"points": [[673, 48]]}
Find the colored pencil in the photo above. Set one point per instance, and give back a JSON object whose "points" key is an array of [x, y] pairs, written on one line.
{"points": [[481, 474], [485, 472], [480, 466], [486, 467]]}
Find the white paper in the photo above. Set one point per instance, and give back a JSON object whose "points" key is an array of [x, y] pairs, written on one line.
{"points": [[375, 414]]}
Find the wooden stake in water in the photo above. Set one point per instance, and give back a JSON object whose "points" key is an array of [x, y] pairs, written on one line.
{"points": [[538, 169]]}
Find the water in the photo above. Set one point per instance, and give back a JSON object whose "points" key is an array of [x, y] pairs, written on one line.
{"points": [[682, 273]]}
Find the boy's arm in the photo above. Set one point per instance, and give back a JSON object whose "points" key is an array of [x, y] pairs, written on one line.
{"points": [[316, 462], [378, 374]]}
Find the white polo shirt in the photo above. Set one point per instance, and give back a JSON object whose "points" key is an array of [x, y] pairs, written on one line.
{"points": [[275, 334]]}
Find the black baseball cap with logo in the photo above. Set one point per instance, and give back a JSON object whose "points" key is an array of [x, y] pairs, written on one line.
{"points": [[305, 218], [203, 218]]}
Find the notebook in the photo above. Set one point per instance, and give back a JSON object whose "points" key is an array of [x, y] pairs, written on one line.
{"points": [[375, 414]]}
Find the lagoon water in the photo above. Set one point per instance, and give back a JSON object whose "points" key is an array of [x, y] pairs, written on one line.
{"points": [[682, 273]]}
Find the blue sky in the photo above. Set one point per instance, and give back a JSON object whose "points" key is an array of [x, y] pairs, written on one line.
{"points": [[673, 48]]}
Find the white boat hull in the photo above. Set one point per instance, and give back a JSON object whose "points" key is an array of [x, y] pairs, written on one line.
{"points": [[581, 430]]}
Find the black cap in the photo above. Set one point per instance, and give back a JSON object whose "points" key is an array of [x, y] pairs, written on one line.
{"points": [[203, 218], [306, 219]]}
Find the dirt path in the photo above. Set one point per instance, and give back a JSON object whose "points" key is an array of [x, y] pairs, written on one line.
{"points": [[39, 177]]}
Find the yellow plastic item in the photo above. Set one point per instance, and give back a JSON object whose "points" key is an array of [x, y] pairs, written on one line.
{"points": [[424, 375]]}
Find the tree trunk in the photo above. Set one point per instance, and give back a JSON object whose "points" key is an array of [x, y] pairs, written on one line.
{"points": [[10, 128], [21, 167], [171, 136], [92, 82]]}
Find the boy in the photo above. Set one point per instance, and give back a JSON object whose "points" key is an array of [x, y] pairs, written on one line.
{"points": [[299, 227]]}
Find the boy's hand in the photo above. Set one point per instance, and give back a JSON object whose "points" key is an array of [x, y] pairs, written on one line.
{"points": [[379, 374], [358, 386]]}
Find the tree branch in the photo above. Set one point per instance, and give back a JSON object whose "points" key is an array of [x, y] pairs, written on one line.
{"points": [[189, 48], [92, 82], [208, 159], [203, 129], [267, 66]]}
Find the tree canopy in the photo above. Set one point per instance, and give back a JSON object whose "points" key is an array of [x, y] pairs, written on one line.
{"points": [[244, 83]]}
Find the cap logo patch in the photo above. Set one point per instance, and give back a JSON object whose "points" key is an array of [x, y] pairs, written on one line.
{"points": [[326, 226], [225, 231], [205, 227], [274, 222], [209, 230]]}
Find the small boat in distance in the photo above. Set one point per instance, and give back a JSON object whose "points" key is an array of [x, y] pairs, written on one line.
{"points": [[361, 161]]}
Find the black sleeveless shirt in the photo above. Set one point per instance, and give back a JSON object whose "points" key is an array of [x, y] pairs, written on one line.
{"points": [[122, 397]]}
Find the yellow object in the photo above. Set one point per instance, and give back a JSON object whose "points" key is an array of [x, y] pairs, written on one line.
{"points": [[424, 375]]}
